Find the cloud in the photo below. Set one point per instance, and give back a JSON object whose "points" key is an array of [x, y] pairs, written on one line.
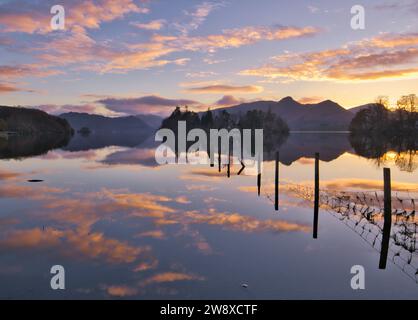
{"points": [[387, 56], [116, 106], [59, 109], [313, 9], [156, 234], [93, 245], [143, 157], [200, 187], [121, 291], [150, 54], [34, 17], [7, 88], [16, 191], [366, 184], [389, 40], [8, 175], [228, 100], [238, 222], [146, 104], [408, 5], [235, 38], [144, 266], [310, 100], [197, 17], [25, 70], [154, 25], [80, 51], [225, 89], [6, 41], [171, 277], [200, 74]]}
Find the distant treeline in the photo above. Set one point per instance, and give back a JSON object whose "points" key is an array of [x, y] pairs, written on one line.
{"points": [[254, 119], [275, 128], [379, 129], [25, 121], [381, 121]]}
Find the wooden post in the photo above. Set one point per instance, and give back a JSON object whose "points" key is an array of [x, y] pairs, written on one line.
{"points": [[387, 189], [219, 157], [258, 176], [316, 201], [229, 163], [276, 184]]}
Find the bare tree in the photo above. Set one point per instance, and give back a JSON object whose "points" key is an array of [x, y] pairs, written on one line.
{"points": [[407, 106], [383, 100], [408, 103]]}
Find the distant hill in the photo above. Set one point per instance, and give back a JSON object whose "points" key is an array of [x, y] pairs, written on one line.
{"points": [[35, 132], [33, 122], [102, 124], [152, 120], [323, 116], [360, 108]]}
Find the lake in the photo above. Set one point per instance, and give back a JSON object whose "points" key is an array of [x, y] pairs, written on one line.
{"points": [[124, 227]]}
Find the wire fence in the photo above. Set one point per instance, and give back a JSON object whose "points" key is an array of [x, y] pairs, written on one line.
{"points": [[363, 212]]}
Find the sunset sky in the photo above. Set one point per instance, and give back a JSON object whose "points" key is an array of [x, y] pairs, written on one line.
{"points": [[130, 57]]}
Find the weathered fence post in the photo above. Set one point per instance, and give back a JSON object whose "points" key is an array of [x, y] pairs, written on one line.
{"points": [[259, 176], [219, 158], [387, 218], [276, 184], [316, 199], [229, 164]]}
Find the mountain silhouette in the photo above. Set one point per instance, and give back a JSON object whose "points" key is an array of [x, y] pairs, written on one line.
{"points": [[324, 116], [151, 120], [102, 124]]}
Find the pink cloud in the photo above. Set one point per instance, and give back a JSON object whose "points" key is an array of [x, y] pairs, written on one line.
{"points": [[146, 104], [225, 89], [385, 56], [229, 101], [59, 109], [27, 17], [154, 25]]}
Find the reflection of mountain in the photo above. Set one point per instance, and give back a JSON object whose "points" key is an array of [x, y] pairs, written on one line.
{"points": [[102, 140], [16, 147], [97, 123], [122, 132], [145, 157], [324, 116], [304, 145], [142, 154]]}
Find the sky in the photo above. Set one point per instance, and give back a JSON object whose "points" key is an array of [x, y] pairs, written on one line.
{"points": [[134, 57]]}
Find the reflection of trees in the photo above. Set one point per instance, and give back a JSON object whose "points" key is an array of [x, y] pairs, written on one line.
{"points": [[401, 150], [275, 128], [407, 161], [16, 147], [377, 130]]}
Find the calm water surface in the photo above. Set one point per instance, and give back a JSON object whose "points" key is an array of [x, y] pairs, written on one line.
{"points": [[124, 227]]}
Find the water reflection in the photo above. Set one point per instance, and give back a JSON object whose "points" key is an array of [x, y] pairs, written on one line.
{"points": [[402, 150], [296, 147], [16, 147], [128, 230]]}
